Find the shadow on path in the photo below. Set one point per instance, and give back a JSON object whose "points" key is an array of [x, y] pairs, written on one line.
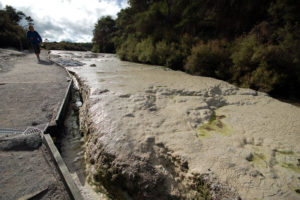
{"points": [[44, 62]]}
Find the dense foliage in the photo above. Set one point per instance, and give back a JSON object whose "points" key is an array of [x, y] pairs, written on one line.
{"points": [[11, 33], [251, 43], [67, 46], [103, 35]]}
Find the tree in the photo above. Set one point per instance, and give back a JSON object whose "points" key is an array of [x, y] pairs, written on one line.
{"points": [[29, 20], [11, 33], [15, 16], [103, 34]]}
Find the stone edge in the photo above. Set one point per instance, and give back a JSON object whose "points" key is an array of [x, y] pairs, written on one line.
{"points": [[62, 168], [59, 163]]}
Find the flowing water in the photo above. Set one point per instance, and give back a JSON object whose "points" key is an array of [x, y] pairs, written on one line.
{"points": [[72, 148]]}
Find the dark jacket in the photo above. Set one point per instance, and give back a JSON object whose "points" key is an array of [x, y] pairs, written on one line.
{"points": [[34, 37]]}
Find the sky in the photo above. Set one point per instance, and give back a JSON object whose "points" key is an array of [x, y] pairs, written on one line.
{"points": [[66, 20]]}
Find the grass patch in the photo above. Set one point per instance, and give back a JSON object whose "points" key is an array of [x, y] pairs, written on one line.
{"points": [[204, 191]]}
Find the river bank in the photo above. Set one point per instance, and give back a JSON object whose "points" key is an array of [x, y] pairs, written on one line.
{"points": [[156, 133]]}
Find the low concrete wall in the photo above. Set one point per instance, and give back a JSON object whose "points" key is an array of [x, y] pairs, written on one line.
{"points": [[62, 168], [63, 106], [53, 126], [53, 129]]}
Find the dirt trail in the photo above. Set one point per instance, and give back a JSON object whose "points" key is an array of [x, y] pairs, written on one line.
{"points": [[30, 91]]}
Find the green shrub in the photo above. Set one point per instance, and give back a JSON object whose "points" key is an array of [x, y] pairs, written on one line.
{"points": [[187, 42], [209, 59], [96, 48], [162, 52], [264, 78], [127, 50], [245, 59], [267, 67], [169, 55], [277, 72], [175, 58], [67, 46], [145, 51]]}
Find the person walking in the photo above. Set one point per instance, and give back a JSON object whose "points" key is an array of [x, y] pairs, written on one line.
{"points": [[35, 40]]}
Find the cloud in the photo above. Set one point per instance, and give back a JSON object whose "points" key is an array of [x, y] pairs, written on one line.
{"points": [[69, 20]]}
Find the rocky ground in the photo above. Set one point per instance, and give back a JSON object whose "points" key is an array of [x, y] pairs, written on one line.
{"points": [[153, 133]]}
